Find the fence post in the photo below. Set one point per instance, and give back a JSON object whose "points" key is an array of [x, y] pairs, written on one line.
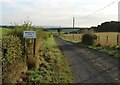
{"points": [[117, 39], [80, 37], [34, 46], [98, 38], [107, 40]]}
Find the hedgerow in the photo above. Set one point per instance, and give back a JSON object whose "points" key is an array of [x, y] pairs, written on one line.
{"points": [[11, 48]]}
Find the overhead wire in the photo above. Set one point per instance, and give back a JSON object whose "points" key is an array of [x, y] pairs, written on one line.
{"points": [[101, 8]]}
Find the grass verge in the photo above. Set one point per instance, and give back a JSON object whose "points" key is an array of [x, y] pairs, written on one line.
{"points": [[111, 51], [53, 67]]}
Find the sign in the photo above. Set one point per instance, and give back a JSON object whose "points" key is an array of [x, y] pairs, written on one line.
{"points": [[29, 34]]}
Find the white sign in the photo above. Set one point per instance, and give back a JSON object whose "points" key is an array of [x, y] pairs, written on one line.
{"points": [[29, 34]]}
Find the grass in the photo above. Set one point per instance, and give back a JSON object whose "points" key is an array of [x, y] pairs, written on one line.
{"points": [[53, 67], [70, 37], [0, 32], [111, 51], [102, 40]]}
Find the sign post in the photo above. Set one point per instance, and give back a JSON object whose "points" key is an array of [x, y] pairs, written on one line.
{"points": [[29, 34]]}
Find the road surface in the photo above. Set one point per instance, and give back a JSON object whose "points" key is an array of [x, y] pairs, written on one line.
{"points": [[89, 66]]}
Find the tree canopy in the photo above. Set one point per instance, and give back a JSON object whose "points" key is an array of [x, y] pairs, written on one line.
{"points": [[112, 26]]}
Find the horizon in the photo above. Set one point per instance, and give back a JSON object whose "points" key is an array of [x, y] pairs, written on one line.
{"points": [[61, 26]]}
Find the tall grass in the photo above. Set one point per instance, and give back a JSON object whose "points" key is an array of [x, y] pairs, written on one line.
{"points": [[53, 67]]}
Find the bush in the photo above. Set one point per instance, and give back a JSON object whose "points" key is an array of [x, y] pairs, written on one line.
{"points": [[89, 38], [18, 30], [11, 48]]}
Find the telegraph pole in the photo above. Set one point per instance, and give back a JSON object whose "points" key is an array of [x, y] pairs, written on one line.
{"points": [[73, 26]]}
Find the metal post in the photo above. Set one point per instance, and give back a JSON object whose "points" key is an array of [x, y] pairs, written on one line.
{"points": [[34, 46]]}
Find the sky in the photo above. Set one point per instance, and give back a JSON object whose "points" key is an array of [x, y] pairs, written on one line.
{"points": [[58, 12]]}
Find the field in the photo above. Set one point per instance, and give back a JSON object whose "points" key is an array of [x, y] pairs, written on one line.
{"points": [[0, 32], [103, 38], [70, 37], [108, 38]]}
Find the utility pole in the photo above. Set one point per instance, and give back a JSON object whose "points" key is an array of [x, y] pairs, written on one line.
{"points": [[73, 26]]}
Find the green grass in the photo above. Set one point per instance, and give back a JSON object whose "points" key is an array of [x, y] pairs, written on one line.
{"points": [[70, 39], [54, 67], [3, 31], [0, 32], [111, 51]]}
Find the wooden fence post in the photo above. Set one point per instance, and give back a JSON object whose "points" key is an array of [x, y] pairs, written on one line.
{"points": [[107, 40], [98, 39], [117, 39]]}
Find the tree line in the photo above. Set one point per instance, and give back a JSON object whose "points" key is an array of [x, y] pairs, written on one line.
{"points": [[113, 26]]}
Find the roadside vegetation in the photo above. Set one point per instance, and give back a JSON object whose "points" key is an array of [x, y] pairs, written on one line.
{"points": [[111, 51], [90, 39], [70, 37], [0, 33], [53, 67], [47, 66]]}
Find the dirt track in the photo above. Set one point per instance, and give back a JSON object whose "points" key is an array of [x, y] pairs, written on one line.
{"points": [[89, 66]]}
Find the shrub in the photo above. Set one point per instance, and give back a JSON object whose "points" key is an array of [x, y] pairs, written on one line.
{"points": [[11, 48], [89, 37], [18, 30]]}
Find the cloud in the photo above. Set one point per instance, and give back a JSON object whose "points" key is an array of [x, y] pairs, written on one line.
{"points": [[58, 12]]}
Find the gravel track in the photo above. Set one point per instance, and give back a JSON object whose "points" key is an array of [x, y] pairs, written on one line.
{"points": [[89, 66]]}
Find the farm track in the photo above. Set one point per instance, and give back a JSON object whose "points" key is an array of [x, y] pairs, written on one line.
{"points": [[89, 66]]}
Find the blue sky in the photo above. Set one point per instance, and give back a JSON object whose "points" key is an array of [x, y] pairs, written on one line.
{"points": [[58, 12]]}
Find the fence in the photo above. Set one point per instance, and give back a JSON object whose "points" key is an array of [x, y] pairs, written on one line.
{"points": [[108, 39], [103, 38]]}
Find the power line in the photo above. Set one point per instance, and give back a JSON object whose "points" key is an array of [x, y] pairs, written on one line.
{"points": [[102, 8], [98, 10]]}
